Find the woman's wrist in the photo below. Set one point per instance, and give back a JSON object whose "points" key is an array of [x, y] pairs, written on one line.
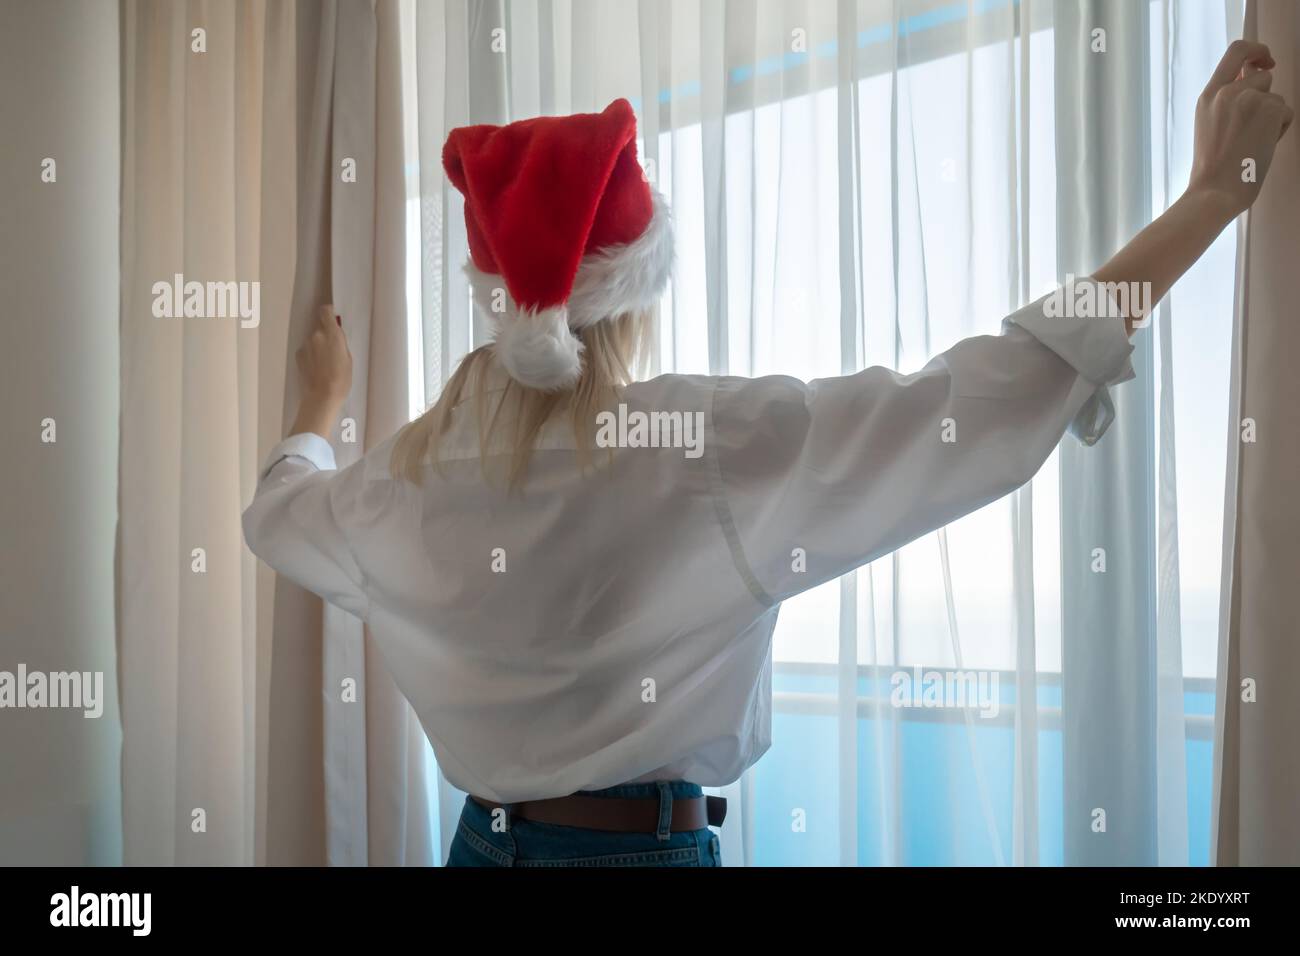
{"points": [[1214, 208], [316, 414], [1169, 246]]}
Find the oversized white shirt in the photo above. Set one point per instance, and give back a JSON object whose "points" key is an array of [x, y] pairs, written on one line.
{"points": [[615, 625]]}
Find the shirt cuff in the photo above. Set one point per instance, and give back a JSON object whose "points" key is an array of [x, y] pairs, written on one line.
{"points": [[1082, 324], [308, 445]]}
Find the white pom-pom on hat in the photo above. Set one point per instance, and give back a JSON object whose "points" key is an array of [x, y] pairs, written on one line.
{"points": [[538, 350]]}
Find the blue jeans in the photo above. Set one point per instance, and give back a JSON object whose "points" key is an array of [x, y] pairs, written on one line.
{"points": [[529, 843]]}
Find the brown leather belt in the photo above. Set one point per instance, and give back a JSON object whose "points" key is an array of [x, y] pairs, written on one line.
{"points": [[617, 814]]}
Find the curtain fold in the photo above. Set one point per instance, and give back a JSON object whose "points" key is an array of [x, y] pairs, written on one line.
{"points": [[266, 150], [1108, 617], [1257, 764], [184, 637], [1171, 760]]}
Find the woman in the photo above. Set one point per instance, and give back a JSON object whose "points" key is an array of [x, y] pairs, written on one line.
{"points": [[574, 575]]}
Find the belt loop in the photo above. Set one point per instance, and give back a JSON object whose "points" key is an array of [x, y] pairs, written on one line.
{"points": [[664, 832]]}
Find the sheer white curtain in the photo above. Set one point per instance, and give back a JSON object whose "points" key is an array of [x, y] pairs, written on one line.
{"points": [[866, 182]]}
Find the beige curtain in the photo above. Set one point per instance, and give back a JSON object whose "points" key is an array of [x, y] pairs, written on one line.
{"points": [[239, 744], [1257, 761], [59, 257]]}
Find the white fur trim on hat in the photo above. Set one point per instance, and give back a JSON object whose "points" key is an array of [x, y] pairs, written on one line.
{"points": [[625, 278], [539, 349]]}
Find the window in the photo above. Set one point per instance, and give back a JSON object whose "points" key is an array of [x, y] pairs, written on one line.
{"points": [[827, 221]]}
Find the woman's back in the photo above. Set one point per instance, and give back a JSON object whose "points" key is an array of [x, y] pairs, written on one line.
{"points": [[583, 632]]}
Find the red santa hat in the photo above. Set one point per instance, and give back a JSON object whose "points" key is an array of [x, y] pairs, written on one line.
{"points": [[558, 212]]}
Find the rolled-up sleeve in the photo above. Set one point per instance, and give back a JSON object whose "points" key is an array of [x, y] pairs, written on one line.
{"points": [[1097, 348], [815, 479], [313, 453], [301, 516]]}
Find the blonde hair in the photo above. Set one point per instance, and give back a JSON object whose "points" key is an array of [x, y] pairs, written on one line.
{"points": [[614, 352]]}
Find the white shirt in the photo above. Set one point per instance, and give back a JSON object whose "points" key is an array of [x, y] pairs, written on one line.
{"points": [[535, 681]]}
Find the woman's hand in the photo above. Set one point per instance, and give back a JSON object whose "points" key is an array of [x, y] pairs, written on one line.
{"points": [[324, 375], [1238, 124], [1237, 119]]}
